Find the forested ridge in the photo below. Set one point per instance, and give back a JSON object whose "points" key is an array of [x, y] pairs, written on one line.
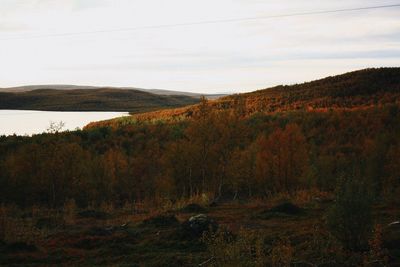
{"points": [[354, 90], [233, 152], [303, 175]]}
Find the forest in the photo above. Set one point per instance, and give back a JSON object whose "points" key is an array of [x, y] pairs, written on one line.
{"points": [[220, 154], [330, 148]]}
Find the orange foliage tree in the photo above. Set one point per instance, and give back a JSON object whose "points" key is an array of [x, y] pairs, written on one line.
{"points": [[282, 159]]}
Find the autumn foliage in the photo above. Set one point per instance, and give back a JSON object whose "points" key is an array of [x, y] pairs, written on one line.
{"points": [[239, 147]]}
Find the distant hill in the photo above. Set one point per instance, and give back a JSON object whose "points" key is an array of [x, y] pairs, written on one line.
{"points": [[354, 90], [170, 92], [67, 98], [27, 88]]}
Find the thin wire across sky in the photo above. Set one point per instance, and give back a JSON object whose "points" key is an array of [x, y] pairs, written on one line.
{"points": [[217, 21]]}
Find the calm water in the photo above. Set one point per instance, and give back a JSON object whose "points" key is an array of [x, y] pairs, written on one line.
{"points": [[28, 122]]}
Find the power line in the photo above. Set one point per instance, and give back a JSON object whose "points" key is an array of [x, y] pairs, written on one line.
{"points": [[307, 13]]}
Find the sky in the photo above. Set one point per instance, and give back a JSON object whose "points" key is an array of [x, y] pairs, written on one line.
{"points": [[83, 42]]}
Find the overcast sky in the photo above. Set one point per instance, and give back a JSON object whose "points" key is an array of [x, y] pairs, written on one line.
{"points": [[221, 57]]}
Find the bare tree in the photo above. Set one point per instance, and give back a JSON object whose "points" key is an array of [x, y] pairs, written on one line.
{"points": [[55, 127]]}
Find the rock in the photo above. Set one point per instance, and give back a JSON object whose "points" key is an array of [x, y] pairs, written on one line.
{"points": [[198, 224], [317, 199], [394, 223], [391, 235]]}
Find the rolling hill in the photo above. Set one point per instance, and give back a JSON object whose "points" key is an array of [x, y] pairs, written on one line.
{"points": [[27, 88], [354, 90], [94, 99]]}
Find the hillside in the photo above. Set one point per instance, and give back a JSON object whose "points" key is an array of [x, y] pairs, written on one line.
{"points": [[354, 90], [350, 90], [291, 173], [26, 88], [104, 99]]}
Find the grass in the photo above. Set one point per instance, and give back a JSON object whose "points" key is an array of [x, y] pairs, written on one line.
{"points": [[132, 238]]}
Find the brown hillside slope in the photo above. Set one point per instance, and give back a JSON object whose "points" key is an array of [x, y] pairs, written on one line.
{"points": [[354, 90]]}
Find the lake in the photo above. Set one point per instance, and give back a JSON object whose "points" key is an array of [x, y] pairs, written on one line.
{"points": [[28, 122]]}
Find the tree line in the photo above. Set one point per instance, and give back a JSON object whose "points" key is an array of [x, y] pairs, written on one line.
{"points": [[221, 153]]}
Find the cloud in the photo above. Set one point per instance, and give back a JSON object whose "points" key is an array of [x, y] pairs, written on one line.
{"points": [[224, 57]]}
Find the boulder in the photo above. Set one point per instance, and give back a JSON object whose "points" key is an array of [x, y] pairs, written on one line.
{"points": [[196, 225], [391, 236]]}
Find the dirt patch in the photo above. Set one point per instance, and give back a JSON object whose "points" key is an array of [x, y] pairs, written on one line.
{"points": [[161, 221], [193, 208], [282, 210], [95, 214]]}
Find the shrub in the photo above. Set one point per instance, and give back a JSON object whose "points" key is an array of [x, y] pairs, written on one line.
{"points": [[243, 249], [350, 218], [70, 211], [377, 254], [323, 249], [282, 253], [19, 231]]}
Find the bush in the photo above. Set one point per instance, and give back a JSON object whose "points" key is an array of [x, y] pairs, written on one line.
{"points": [[247, 248], [49, 222], [282, 253], [70, 211], [350, 218], [243, 249], [19, 231]]}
